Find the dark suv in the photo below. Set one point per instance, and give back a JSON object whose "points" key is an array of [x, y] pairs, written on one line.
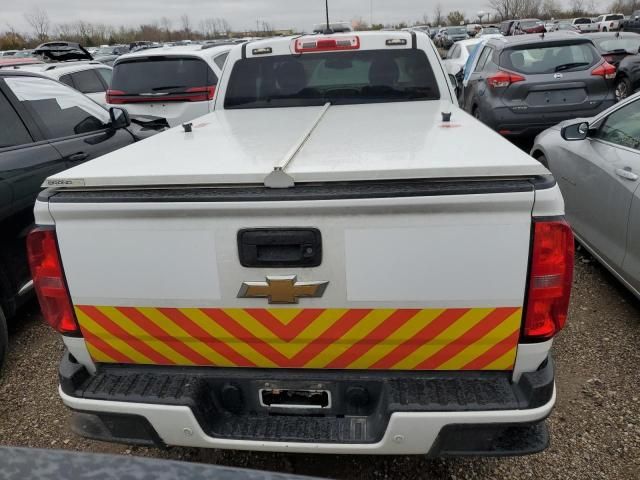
{"points": [[45, 127], [525, 84]]}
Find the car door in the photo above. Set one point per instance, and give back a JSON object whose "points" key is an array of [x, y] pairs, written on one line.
{"points": [[631, 264], [603, 177], [77, 127], [26, 158], [476, 84]]}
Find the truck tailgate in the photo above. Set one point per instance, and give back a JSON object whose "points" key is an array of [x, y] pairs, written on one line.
{"points": [[429, 280]]}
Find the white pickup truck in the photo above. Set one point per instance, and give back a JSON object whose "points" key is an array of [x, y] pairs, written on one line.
{"points": [[338, 259]]}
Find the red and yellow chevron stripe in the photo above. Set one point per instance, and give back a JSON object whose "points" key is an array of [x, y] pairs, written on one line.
{"points": [[382, 339]]}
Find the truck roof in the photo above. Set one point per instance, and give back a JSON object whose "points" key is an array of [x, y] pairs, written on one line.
{"points": [[385, 141]]}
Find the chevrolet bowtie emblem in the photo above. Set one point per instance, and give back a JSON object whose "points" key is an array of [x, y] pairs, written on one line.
{"points": [[282, 290]]}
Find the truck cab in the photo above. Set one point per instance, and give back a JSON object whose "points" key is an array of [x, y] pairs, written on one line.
{"points": [[338, 259]]}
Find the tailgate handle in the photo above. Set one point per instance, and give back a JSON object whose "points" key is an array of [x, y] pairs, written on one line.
{"points": [[280, 247]]}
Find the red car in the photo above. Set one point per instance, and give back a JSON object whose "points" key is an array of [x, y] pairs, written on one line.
{"points": [[528, 25]]}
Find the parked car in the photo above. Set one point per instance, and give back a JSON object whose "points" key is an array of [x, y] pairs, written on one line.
{"points": [[108, 55], [609, 22], [45, 127], [527, 26], [11, 62], [488, 31], [596, 162], [8, 53], [615, 47], [458, 55], [175, 83], [627, 77], [91, 78], [61, 52], [451, 35], [631, 24], [299, 274], [524, 84], [585, 24], [566, 27], [506, 27]]}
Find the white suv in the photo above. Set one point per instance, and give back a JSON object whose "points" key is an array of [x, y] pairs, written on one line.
{"points": [[175, 83], [91, 78]]}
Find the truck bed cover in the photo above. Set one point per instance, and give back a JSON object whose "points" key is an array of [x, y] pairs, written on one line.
{"points": [[351, 143]]}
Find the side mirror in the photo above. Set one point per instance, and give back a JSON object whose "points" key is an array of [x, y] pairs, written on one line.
{"points": [[119, 118], [575, 132]]}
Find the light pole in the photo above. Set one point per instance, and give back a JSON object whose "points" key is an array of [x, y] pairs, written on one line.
{"points": [[371, 13]]}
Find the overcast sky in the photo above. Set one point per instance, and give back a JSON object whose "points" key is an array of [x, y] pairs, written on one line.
{"points": [[241, 14]]}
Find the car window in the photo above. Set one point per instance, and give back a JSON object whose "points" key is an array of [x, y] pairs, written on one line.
{"points": [[105, 74], [550, 59], [482, 61], [599, 19], [343, 78], [622, 127], [159, 75], [61, 110], [629, 44], [88, 81], [454, 52], [12, 130], [220, 59], [67, 80]]}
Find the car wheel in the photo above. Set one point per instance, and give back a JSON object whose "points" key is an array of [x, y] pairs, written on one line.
{"points": [[4, 339], [604, 29], [623, 88], [543, 160]]}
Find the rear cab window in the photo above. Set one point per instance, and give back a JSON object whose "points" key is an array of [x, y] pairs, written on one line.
{"points": [[161, 75], [554, 58], [339, 77]]}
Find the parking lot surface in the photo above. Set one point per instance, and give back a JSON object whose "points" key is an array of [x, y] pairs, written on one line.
{"points": [[595, 427]]}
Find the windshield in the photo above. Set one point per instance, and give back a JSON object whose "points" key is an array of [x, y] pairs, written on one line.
{"points": [[161, 74], [457, 31], [615, 17], [628, 44], [342, 78], [551, 59], [582, 21], [489, 31]]}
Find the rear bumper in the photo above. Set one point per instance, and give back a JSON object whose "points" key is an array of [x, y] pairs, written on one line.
{"points": [[503, 119], [439, 414]]}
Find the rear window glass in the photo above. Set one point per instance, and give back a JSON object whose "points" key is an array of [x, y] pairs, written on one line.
{"points": [[341, 78], [161, 74], [615, 17], [630, 44], [457, 31], [530, 23], [551, 59], [582, 21]]}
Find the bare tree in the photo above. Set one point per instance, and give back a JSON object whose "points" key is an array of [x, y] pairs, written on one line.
{"points": [[358, 24], [438, 17], [165, 22], [39, 21], [576, 7], [185, 21], [550, 9], [224, 27]]}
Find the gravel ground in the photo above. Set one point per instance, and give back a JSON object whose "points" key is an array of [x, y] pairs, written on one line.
{"points": [[595, 427]]}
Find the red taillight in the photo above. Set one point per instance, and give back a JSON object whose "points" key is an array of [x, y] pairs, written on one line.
{"points": [[113, 97], [49, 281], [206, 93], [605, 70], [504, 79], [550, 280], [326, 44], [193, 94]]}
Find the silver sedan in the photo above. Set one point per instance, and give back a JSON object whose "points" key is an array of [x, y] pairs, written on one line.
{"points": [[596, 162]]}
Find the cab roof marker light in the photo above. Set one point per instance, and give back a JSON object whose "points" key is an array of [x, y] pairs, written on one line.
{"points": [[262, 51], [326, 44], [396, 42]]}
